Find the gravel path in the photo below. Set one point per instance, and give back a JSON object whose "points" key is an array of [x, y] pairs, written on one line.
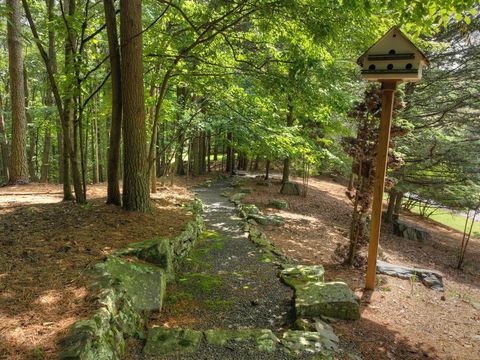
{"points": [[224, 278], [224, 284]]}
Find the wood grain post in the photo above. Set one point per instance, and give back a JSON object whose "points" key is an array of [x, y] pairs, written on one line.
{"points": [[388, 92]]}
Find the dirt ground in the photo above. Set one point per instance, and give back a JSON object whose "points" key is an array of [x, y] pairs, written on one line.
{"points": [[47, 245], [401, 319]]}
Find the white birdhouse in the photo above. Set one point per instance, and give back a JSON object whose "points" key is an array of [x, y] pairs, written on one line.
{"points": [[393, 57]]}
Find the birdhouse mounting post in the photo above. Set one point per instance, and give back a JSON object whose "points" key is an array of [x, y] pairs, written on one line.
{"points": [[393, 59], [388, 94]]}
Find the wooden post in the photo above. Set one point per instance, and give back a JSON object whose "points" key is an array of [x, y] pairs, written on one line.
{"points": [[388, 92]]}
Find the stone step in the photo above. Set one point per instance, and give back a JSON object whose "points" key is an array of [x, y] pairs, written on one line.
{"points": [[177, 341]]}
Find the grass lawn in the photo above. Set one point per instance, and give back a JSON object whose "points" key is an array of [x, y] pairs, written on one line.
{"points": [[454, 221]]}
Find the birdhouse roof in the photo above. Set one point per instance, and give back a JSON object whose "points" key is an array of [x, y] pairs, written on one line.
{"points": [[397, 31]]}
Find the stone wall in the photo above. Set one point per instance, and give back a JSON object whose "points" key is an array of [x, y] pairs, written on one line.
{"points": [[127, 291]]}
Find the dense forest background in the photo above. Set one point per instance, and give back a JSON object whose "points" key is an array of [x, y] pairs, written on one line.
{"points": [[204, 85]]}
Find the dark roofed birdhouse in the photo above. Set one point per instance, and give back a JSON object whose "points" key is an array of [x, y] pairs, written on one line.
{"points": [[393, 57]]}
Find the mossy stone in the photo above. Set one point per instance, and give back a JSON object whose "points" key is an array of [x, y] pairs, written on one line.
{"points": [[264, 338], [162, 341], [334, 299], [278, 204], [297, 342], [249, 209], [267, 219], [144, 283], [296, 276], [159, 254]]}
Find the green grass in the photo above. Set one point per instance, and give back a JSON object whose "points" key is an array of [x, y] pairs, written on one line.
{"points": [[453, 221]]}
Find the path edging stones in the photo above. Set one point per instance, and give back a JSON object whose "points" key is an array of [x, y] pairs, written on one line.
{"points": [[122, 298]]}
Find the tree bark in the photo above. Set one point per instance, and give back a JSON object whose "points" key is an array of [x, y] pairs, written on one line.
{"points": [[286, 162], [113, 187], [44, 172], [136, 194], [31, 132], [18, 163], [4, 145], [391, 205], [230, 162], [68, 145]]}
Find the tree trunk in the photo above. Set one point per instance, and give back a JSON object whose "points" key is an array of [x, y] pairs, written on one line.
{"points": [[286, 162], [230, 162], [113, 187], [267, 169], [47, 145], [153, 169], [4, 145], [136, 194], [31, 132], [180, 133], [391, 205], [18, 165]]}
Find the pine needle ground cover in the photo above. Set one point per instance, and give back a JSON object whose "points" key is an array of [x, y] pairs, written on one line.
{"points": [[402, 319], [46, 247]]}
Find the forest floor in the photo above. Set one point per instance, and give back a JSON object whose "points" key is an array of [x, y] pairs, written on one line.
{"points": [[47, 245], [401, 319]]}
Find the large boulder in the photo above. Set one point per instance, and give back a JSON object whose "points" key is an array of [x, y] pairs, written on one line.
{"points": [[334, 300], [144, 283], [163, 341], [409, 231], [289, 188]]}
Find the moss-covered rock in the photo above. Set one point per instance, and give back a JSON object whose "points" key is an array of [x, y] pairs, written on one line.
{"points": [[144, 283], [267, 219], [308, 341], [299, 275], [278, 204], [237, 197], [160, 254], [248, 209], [335, 300], [162, 341], [264, 338]]}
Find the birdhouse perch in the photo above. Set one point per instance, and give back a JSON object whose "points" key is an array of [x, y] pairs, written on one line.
{"points": [[393, 57]]}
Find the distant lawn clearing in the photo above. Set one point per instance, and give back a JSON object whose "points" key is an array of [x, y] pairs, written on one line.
{"points": [[451, 220]]}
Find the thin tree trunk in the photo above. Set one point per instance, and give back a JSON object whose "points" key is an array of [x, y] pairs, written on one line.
{"points": [[47, 142], [47, 145], [230, 161], [391, 206], [267, 169], [286, 162], [18, 163], [136, 194], [68, 145], [31, 131], [4, 145], [113, 187]]}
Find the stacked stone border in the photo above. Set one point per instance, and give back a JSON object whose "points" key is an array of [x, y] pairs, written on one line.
{"points": [[129, 284]]}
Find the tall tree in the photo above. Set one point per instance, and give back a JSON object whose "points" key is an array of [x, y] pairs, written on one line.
{"points": [[19, 168], [113, 189], [136, 194]]}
